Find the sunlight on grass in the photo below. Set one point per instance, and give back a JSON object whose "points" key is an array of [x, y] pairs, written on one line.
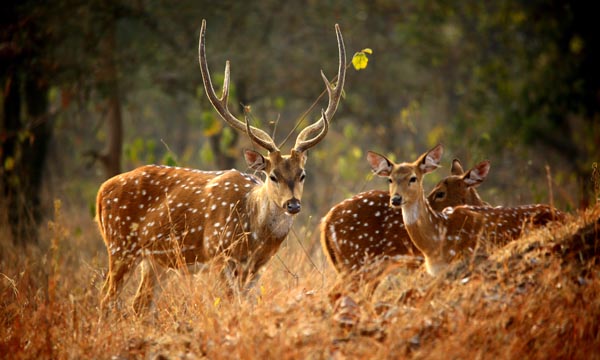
{"points": [[531, 298]]}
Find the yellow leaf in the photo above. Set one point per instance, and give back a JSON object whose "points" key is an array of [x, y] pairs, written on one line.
{"points": [[360, 60], [435, 135], [367, 50], [217, 302], [212, 128], [356, 152], [9, 163]]}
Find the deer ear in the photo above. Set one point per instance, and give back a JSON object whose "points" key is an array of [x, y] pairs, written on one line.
{"points": [[456, 168], [380, 165], [431, 159], [255, 160], [477, 174]]}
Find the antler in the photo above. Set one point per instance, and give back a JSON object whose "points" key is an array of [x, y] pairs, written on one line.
{"points": [[302, 145], [334, 93], [270, 146], [220, 104]]}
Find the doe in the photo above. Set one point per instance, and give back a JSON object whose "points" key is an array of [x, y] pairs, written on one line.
{"points": [[365, 229], [441, 236]]}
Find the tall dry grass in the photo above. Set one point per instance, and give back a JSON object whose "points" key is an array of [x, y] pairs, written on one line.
{"points": [[535, 298]]}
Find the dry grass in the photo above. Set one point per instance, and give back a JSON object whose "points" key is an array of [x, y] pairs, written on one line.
{"points": [[536, 298]]}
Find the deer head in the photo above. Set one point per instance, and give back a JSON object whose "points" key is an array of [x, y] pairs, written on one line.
{"points": [[406, 178], [459, 187], [285, 173]]}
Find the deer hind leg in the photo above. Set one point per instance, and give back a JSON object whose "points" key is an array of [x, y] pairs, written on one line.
{"points": [[118, 268], [236, 278], [147, 288], [230, 277]]}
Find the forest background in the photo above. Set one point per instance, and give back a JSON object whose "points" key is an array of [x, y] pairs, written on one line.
{"points": [[94, 88]]}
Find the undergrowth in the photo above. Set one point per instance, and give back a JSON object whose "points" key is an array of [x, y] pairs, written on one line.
{"points": [[538, 297]]}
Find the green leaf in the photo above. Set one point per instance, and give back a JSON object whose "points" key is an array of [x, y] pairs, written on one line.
{"points": [[279, 102], [169, 159], [92, 208], [206, 154], [226, 140], [350, 131]]}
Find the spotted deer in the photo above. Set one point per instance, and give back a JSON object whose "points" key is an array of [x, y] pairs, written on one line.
{"points": [[365, 229], [170, 216], [441, 236]]}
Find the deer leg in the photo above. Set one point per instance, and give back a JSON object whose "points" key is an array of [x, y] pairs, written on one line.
{"points": [[117, 270], [147, 288], [231, 277], [250, 281]]}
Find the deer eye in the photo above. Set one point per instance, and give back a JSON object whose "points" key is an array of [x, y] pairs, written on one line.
{"points": [[273, 178], [440, 195], [302, 177], [412, 179], [390, 180]]}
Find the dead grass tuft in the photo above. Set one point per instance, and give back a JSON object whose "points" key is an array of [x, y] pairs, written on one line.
{"points": [[535, 298]]}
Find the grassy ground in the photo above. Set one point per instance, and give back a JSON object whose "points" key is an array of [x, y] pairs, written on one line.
{"points": [[535, 298]]}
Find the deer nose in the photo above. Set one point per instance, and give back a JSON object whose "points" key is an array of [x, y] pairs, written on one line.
{"points": [[396, 200], [293, 206]]}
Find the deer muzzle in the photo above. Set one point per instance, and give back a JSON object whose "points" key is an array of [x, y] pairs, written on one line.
{"points": [[396, 200], [293, 206]]}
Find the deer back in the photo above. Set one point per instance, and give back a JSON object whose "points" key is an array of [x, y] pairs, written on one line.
{"points": [[163, 211], [464, 226]]}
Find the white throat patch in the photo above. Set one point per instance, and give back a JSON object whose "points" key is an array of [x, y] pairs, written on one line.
{"points": [[410, 213]]}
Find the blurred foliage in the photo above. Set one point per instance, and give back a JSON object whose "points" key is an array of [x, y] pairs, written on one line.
{"points": [[140, 151], [511, 81]]}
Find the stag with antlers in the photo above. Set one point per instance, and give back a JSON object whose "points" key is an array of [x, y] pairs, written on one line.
{"points": [[169, 216]]}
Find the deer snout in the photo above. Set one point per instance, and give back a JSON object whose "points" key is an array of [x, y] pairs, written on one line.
{"points": [[293, 206], [396, 200]]}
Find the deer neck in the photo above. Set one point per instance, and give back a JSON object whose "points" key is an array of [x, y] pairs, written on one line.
{"points": [[270, 222], [424, 226]]}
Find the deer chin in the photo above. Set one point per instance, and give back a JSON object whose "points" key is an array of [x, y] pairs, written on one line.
{"points": [[396, 207]]}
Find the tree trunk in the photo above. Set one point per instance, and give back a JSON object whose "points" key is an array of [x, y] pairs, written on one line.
{"points": [[23, 153], [111, 157], [108, 80]]}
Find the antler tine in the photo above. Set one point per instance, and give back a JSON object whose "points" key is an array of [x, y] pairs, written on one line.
{"points": [[268, 145], [220, 104], [302, 145], [334, 95]]}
